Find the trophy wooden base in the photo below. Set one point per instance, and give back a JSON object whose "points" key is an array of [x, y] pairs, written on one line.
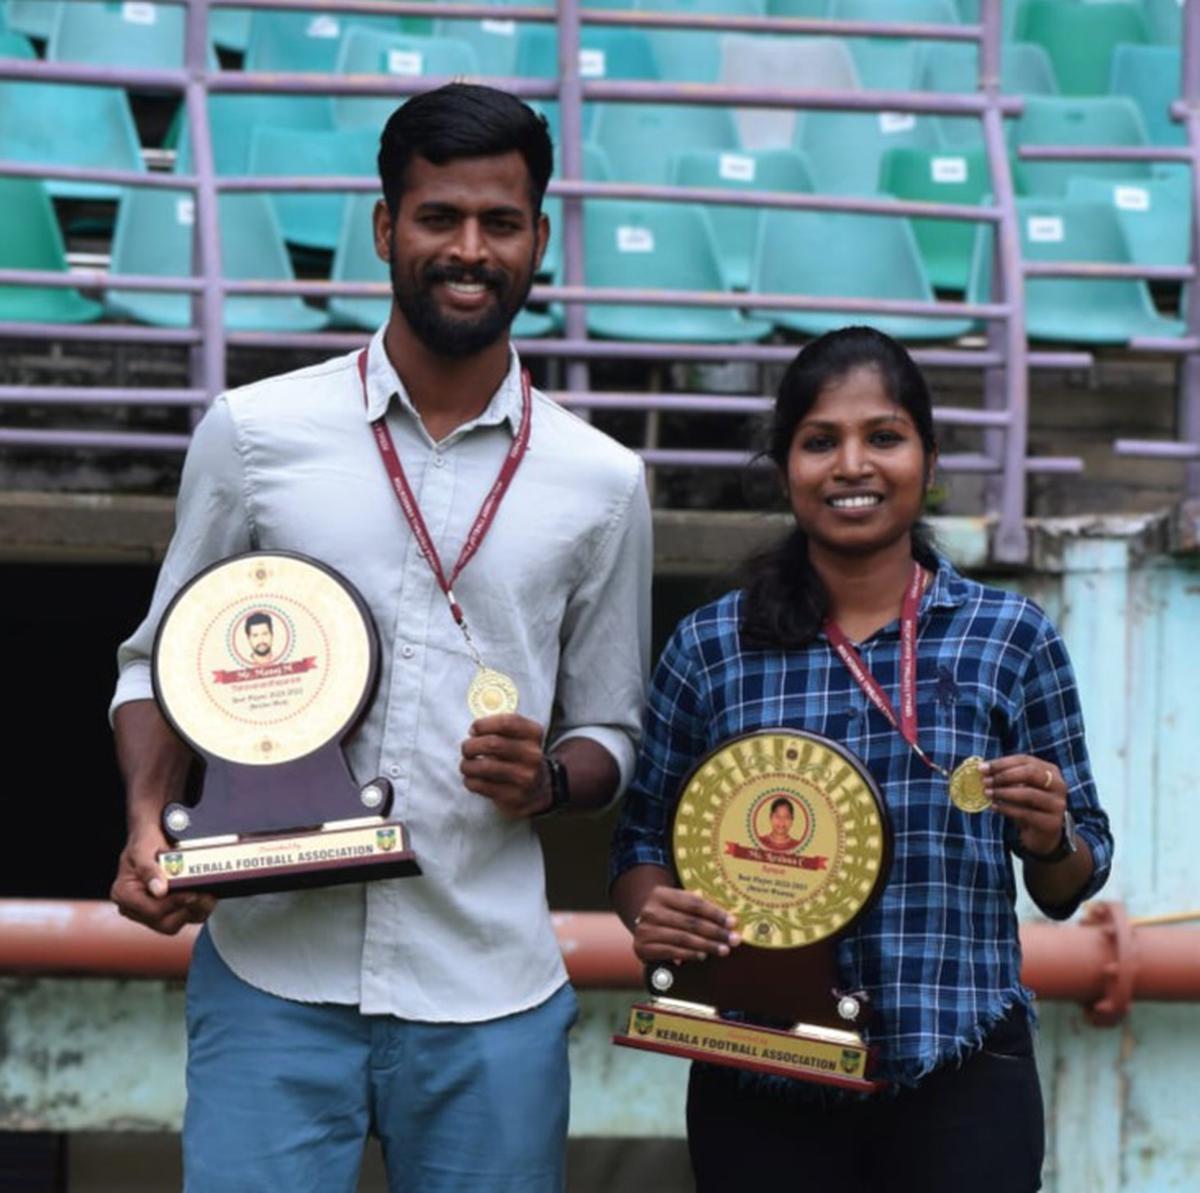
{"points": [[828, 1056], [346, 851]]}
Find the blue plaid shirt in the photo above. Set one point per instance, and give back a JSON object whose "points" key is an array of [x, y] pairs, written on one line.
{"points": [[939, 951]]}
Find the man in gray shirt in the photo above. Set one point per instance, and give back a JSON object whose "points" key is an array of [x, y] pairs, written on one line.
{"points": [[431, 1010]]}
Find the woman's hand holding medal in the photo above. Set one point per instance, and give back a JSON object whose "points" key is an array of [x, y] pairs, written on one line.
{"points": [[1032, 794], [676, 925]]}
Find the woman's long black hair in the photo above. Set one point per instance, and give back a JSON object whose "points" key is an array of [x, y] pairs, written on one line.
{"points": [[785, 601]]}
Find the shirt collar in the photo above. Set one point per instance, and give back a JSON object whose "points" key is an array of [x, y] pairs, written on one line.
{"points": [[384, 384], [948, 589]]}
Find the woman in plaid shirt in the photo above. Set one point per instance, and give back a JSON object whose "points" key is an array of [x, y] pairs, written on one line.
{"points": [[938, 952]]}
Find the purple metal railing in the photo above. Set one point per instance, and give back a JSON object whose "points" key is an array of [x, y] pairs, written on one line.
{"points": [[1005, 361]]}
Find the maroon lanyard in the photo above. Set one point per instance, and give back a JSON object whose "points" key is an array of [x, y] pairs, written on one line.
{"points": [[487, 511], [906, 723]]}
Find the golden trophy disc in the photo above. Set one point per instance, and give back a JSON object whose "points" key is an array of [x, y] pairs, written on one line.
{"points": [[788, 831]]}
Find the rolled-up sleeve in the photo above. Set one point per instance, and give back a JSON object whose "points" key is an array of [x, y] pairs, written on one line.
{"points": [[674, 739], [605, 637], [1051, 727], [211, 522]]}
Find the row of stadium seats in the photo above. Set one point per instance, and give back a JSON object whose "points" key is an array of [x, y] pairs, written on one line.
{"points": [[1071, 45], [627, 244]]}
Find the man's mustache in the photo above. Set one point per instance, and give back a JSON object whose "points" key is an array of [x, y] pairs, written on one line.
{"points": [[494, 279]]}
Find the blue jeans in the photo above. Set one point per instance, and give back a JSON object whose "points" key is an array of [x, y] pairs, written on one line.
{"points": [[282, 1094]]}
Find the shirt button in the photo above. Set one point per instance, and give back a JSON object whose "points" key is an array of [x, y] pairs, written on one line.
{"points": [[408, 651], [394, 771], [439, 461]]}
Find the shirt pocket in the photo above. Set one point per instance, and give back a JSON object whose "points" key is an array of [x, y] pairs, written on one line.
{"points": [[965, 718]]}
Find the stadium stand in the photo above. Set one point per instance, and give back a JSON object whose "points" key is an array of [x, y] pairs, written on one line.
{"points": [[669, 159]]}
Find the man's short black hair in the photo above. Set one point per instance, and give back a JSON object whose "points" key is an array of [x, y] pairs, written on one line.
{"points": [[463, 120], [259, 618]]}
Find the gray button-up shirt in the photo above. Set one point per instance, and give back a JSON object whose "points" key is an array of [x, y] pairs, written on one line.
{"points": [[557, 597]]}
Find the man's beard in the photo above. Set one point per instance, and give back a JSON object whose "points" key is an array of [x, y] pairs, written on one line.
{"points": [[263, 650], [454, 336]]}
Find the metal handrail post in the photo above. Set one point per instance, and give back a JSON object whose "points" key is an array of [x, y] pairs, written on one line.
{"points": [[1009, 387], [208, 358], [570, 116], [1189, 370]]}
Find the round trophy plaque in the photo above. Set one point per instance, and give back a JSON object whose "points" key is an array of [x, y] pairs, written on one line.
{"points": [[263, 659], [263, 664], [787, 831]]}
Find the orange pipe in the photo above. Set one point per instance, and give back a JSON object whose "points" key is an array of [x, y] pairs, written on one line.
{"points": [[1102, 962]]}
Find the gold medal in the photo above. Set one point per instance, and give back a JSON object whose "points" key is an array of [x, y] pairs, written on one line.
{"points": [[491, 693], [966, 786]]}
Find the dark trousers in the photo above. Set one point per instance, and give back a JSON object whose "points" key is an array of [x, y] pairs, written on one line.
{"points": [[977, 1127]]}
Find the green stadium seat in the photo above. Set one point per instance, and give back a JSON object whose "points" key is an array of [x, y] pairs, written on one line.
{"points": [[639, 138], [1075, 310], [369, 52], [309, 41], [153, 236], [658, 246], [836, 254], [312, 220], [693, 56], [952, 67], [32, 240], [68, 125], [233, 119], [735, 229], [1102, 120], [940, 176], [1154, 214], [820, 62], [354, 260], [845, 149], [16, 45], [134, 33], [1150, 76], [1080, 38], [34, 18], [1164, 20], [890, 63], [604, 53], [494, 40], [229, 28]]}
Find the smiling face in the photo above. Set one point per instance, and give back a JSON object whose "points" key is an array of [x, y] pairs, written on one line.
{"points": [[856, 470], [462, 249], [261, 640], [781, 821]]}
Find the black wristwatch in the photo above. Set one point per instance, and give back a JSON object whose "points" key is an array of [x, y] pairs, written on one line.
{"points": [[1066, 846], [560, 787]]}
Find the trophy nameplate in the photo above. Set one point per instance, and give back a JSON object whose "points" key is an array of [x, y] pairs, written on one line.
{"points": [[263, 664], [786, 830]]}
